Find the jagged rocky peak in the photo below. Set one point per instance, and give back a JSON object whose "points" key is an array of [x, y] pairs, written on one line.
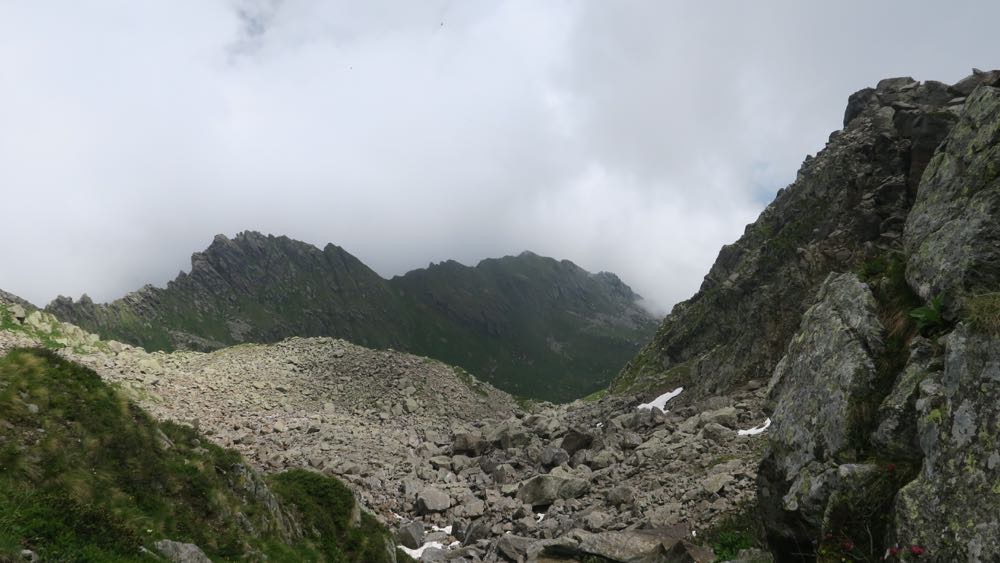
{"points": [[487, 319], [847, 207]]}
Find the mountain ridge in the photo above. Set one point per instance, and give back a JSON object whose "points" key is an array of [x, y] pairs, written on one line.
{"points": [[533, 325]]}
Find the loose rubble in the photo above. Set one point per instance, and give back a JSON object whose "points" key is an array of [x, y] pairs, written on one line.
{"points": [[457, 467]]}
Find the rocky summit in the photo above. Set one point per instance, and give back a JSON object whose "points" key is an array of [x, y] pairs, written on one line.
{"points": [[831, 393], [533, 326]]}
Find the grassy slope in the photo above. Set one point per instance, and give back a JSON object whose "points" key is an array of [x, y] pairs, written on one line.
{"points": [[528, 325], [86, 475]]}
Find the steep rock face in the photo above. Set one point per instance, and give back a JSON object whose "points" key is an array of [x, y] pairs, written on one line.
{"points": [[824, 387], [950, 510], [848, 205], [533, 326], [952, 236], [908, 464]]}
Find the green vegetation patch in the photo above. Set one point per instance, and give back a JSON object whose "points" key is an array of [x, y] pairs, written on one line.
{"points": [[471, 382], [983, 312], [743, 529], [886, 276], [87, 475], [332, 522], [930, 318], [858, 516]]}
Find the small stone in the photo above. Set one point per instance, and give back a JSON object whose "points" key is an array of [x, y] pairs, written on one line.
{"points": [[715, 483], [410, 535]]}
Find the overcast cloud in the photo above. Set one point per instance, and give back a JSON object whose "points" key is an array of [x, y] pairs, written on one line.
{"points": [[634, 137]]}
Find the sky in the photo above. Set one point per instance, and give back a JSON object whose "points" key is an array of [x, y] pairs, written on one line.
{"points": [[636, 137]]}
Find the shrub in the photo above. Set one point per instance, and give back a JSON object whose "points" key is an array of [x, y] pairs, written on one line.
{"points": [[930, 320], [983, 312]]}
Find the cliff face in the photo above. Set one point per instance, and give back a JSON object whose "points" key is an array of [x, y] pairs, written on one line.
{"points": [[847, 208], [869, 293], [533, 326]]}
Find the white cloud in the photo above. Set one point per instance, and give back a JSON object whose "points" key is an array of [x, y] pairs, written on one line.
{"points": [[635, 137]]}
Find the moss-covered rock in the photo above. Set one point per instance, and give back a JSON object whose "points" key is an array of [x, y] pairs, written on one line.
{"points": [[950, 510], [952, 235], [823, 389]]}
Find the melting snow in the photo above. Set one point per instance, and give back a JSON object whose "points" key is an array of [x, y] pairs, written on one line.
{"points": [[419, 552], [757, 430], [661, 401]]}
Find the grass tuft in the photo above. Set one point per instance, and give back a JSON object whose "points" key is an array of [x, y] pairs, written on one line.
{"points": [[983, 312]]}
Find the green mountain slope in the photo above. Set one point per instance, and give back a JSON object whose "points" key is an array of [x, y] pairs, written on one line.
{"points": [[87, 476], [541, 327], [529, 325]]}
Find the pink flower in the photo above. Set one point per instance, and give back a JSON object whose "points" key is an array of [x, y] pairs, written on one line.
{"points": [[916, 550], [847, 545]]}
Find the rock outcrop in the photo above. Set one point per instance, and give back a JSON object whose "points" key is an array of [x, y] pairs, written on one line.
{"points": [[950, 509], [847, 207], [952, 235], [824, 387], [884, 442]]}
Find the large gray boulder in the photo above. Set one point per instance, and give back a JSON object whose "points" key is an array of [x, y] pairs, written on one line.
{"points": [[823, 388], [542, 490], [432, 500], [177, 552], [666, 545], [410, 535], [951, 509], [952, 235]]}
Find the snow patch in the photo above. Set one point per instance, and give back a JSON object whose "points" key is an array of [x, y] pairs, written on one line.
{"points": [[539, 516], [419, 552], [661, 401], [446, 529], [757, 430]]}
